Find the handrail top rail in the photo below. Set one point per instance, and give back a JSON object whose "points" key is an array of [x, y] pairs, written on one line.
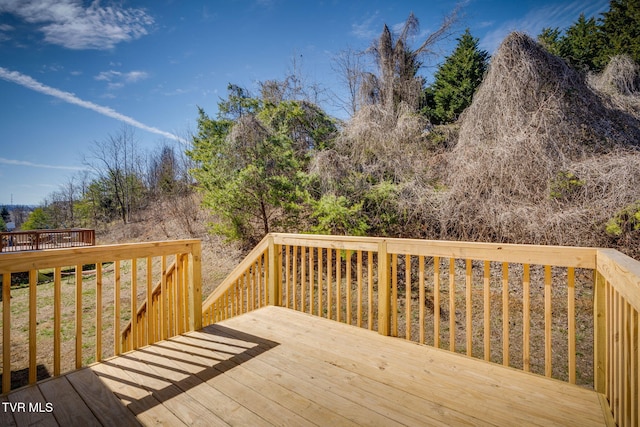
{"points": [[61, 257], [623, 272], [46, 230], [239, 269], [561, 256]]}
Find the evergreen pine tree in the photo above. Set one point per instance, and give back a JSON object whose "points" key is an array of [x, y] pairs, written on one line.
{"points": [[621, 30], [551, 40], [456, 80], [582, 44]]}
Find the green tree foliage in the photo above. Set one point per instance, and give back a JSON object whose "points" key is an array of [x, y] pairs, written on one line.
{"points": [[3, 225], [5, 215], [335, 215], [589, 44], [582, 44], [456, 80], [621, 30], [251, 162], [38, 220], [551, 38]]}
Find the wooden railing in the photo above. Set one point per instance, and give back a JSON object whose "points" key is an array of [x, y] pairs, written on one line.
{"points": [[34, 240], [75, 318], [525, 306], [152, 323]]}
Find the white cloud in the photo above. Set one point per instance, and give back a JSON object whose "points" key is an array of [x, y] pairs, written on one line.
{"points": [[118, 79], [364, 29], [74, 25], [38, 165], [560, 15], [30, 83]]}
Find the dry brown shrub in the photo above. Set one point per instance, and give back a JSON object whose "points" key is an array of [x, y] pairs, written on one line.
{"points": [[619, 82], [620, 77], [379, 146], [541, 157]]}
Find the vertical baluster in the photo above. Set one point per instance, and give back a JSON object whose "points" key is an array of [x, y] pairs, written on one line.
{"points": [[134, 302], [407, 296], [436, 302], [78, 316], [635, 368], [359, 274], [452, 304], [253, 275], [57, 319], [311, 280], [98, 312], [320, 267], [303, 283], [394, 295], [116, 309], [547, 321], [421, 297], [33, 321], [468, 303], [338, 285], [163, 298], [625, 379], [487, 310], [294, 292], [244, 299], [609, 343], [265, 277], [619, 357], [348, 287], [526, 319], [505, 314], [6, 333], [287, 276], [370, 283], [329, 284], [571, 317], [150, 305], [259, 281]]}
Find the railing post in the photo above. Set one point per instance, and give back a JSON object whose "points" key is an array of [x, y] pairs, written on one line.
{"points": [[274, 297], [599, 333], [195, 287], [384, 291]]}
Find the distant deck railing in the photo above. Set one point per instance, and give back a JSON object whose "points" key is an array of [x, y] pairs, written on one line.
{"points": [[82, 312], [34, 240], [525, 306]]}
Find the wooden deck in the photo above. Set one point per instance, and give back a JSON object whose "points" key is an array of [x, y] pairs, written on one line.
{"points": [[278, 366]]}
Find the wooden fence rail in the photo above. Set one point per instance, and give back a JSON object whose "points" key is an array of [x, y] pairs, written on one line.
{"points": [[529, 307], [83, 312], [34, 240]]}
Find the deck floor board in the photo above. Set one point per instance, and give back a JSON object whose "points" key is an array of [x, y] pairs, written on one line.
{"points": [[276, 366]]}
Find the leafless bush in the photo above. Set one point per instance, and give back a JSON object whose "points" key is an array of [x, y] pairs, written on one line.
{"points": [[620, 77]]}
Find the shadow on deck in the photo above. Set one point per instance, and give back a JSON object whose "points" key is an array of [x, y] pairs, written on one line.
{"points": [[279, 366]]}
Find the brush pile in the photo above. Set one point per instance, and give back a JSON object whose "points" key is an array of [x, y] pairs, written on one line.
{"points": [[542, 156]]}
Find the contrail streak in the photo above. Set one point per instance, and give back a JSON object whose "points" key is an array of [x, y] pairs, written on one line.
{"points": [[30, 83], [38, 165]]}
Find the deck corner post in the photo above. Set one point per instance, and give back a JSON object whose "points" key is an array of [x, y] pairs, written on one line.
{"points": [[599, 332], [275, 252], [195, 287], [384, 290]]}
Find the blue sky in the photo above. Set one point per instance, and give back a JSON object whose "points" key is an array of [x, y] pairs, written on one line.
{"points": [[73, 72]]}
